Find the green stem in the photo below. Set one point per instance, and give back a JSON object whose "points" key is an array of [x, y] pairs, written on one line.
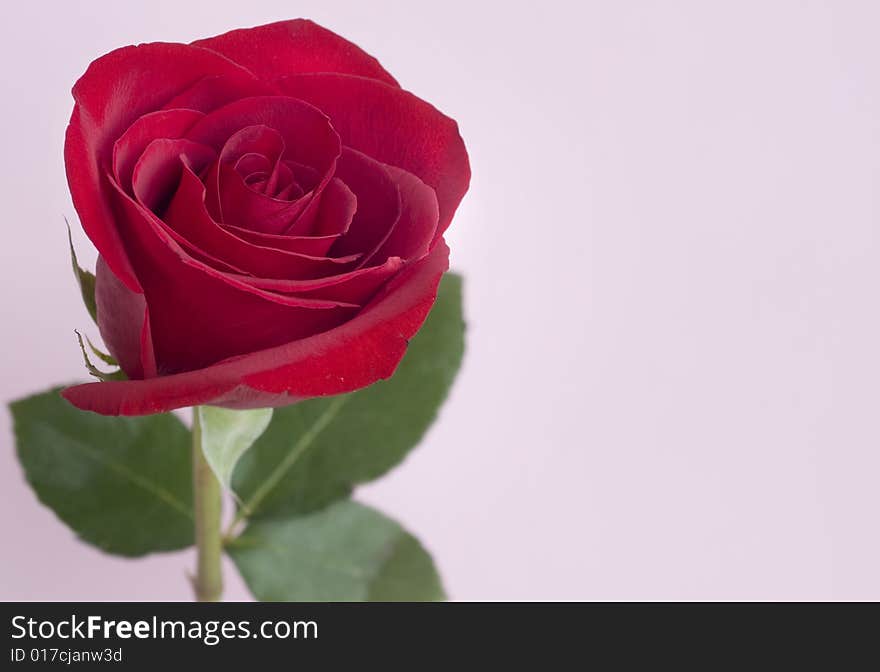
{"points": [[207, 507]]}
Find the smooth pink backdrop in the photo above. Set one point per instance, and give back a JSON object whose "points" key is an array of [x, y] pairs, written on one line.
{"points": [[671, 252]]}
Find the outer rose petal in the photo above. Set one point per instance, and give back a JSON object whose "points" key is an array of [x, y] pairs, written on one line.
{"points": [[127, 334], [392, 126], [214, 91], [115, 90], [289, 47], [365, 349]]}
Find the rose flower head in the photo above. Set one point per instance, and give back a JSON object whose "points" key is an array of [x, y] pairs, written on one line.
{"points": [[268, 206]]}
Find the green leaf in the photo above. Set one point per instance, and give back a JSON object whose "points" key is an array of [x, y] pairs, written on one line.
{"points": [[122, 484], [84, 278], [344, 553], [314, 452], [226, 434]]}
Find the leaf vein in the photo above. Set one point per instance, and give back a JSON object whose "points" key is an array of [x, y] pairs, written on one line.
{"points": [[150, 487], [305, 440]]}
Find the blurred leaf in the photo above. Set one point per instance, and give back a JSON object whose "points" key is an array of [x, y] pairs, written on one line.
{"points": [[226, 434], [315, 451], [344, 553], [84, 278], [122, 484]]}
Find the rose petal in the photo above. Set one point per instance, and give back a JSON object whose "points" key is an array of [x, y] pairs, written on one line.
{"points": [[286, 188], [266, 142], [138, 222], [378, 204], [188, 299], [115, 90], [312, 246], [353, 355], [231, 200], [242, 206], [394, 127], [335, 212], [156, 174], [258, 139], [279, 182], [187, 215], [309, 138], [126, 332], [414, 232], [162, 124], [289, 47], [336, 209], [253, 163], [214, 91], [354, 287]]}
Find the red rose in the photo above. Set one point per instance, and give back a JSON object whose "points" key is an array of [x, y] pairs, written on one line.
{"points": [[268, 206]]}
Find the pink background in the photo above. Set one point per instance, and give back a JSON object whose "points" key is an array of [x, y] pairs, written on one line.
{"points": [[671, 251]]}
